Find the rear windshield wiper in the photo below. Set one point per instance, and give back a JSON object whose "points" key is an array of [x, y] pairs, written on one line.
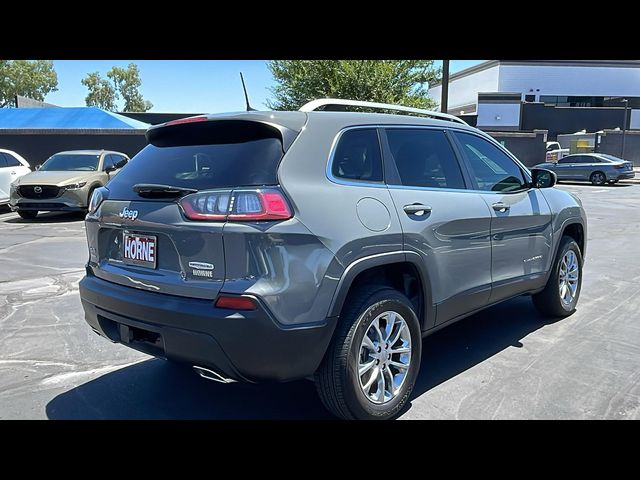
{"points": [[155, 190]]}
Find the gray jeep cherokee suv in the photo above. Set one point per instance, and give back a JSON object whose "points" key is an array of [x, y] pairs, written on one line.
{"points": [[283, 245]]}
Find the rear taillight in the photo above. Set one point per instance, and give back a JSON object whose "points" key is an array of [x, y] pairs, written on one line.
{"points": [[236, 303], [620, 167], [237, 205], [98, 196], [212, 206]]}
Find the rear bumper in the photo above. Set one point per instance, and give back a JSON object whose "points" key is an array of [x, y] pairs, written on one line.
{"points": [[625, 176], [247, 346]]}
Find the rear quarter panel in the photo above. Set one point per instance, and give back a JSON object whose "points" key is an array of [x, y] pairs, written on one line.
{"points": [[336, 214]]}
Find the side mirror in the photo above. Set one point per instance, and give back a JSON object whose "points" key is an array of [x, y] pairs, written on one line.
{"points": [[542, 178], [110, 169]]}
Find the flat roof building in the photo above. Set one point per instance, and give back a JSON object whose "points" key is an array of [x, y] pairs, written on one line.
{"points": [[562, 83]]}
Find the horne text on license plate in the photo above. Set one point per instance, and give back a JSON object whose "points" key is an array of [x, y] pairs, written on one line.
{"points": [[139, 250]]}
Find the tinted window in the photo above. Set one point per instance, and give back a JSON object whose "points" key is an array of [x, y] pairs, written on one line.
{"points": [[109, 161], [569, 159], [610, 158], [119, 161], [424, 158], [12, 161], [492, 169], [583, 159], [357, 156], [202, 167], [3, 160], [65, 162]]}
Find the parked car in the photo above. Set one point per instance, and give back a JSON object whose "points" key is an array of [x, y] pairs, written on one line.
{"points": [[12, 167], [597, 168], [65, 182], [315, 244]]}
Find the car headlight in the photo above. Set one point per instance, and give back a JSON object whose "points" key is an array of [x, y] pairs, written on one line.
{"points": [[73, 186]]}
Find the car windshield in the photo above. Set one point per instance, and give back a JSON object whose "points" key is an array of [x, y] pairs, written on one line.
{"points": [[610, 158], [67, 161]]}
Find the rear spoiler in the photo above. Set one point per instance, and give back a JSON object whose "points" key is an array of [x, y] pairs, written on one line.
{"points": [[206, 131]]}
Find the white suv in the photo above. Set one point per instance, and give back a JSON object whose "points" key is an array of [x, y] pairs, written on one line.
{"points": [[12, 167]]}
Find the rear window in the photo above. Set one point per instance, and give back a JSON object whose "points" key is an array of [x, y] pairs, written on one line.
{"points": [[358, 157], [203, 167]]}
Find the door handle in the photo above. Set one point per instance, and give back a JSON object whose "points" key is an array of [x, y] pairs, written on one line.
{"points": [[416, 209], [13, 173], [500, 207]]}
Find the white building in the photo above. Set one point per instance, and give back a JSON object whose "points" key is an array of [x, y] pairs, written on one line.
{"points": [[563, 83]]}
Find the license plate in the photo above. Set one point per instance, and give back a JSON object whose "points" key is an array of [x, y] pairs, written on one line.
{"points": [[139, 250]]}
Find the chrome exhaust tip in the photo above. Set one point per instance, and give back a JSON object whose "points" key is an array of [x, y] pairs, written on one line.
{"points": [[211, 375]]}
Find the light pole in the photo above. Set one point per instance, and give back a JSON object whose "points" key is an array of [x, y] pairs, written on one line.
{"points": [[624, 125], [444, 98]]}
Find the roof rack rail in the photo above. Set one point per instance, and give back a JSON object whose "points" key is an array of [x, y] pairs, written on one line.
{"points": [[315, 104]]}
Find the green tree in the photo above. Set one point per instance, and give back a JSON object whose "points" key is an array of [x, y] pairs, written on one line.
{"points": [[27, 78], [101, 93], [120, 83], [403, 82], [127, 82]]}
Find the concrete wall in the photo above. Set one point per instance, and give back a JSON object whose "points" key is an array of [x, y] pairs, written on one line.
{"points": [[464, 91], [529, 148], [37, 146], [568, 80], [611, 143]]}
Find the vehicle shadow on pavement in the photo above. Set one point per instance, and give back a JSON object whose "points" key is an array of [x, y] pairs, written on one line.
{"points": [[50, 217], [156, 389], [468, 342], [588, 184]]}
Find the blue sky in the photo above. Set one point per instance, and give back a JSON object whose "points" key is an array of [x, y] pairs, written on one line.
{"points": [[190, 86]]}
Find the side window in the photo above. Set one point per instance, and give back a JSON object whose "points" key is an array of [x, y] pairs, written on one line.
{"points": [[567, 160], [108, 161], [3, 160], [12, 161], [357, 156], [120, 161], [424, 158], [492, 169]]}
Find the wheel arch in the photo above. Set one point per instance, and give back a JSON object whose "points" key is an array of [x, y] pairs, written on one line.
{"points": [[388, 269], [572, 227], [575, 230]]}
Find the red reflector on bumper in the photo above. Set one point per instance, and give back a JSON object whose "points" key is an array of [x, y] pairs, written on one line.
{"points": [[236, 303]]}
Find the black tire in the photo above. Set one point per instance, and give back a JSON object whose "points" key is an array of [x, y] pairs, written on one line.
{"points": [[598, 178], [28, 214], [548, 301], [337, 381], [611, 182]]}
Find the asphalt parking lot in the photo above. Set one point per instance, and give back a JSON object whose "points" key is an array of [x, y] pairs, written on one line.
{"points": [[505, 362]]}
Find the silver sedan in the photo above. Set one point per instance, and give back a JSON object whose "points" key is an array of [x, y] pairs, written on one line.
{"points": [[597, 168]]}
